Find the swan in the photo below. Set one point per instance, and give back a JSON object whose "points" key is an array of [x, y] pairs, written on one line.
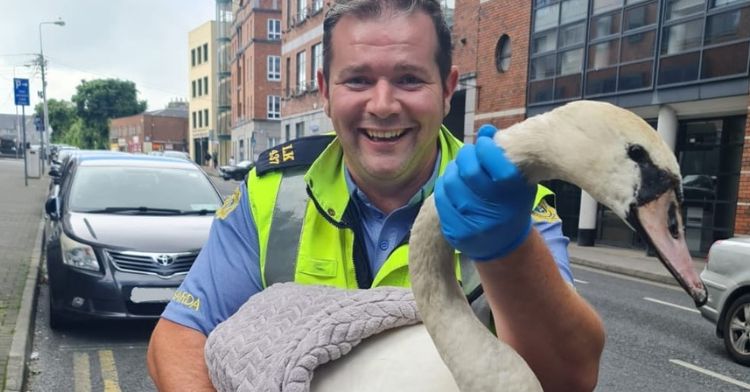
{"points": [[609, 152]]}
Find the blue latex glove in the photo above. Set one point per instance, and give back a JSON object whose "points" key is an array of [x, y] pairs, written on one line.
{"points": [[483, 200]]}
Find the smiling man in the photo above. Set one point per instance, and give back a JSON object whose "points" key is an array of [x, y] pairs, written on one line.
{"points": [[386, 84]]}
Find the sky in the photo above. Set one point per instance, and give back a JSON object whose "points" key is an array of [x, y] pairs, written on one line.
{"points": [[144, 41]]}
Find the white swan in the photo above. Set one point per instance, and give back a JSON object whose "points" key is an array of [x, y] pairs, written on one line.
{"points": [[612, 154]]}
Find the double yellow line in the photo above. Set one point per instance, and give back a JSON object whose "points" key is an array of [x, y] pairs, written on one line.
{"points": [[82, 371]]}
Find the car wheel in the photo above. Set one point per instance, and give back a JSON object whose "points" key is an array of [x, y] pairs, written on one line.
{"points": [[737, 330]]}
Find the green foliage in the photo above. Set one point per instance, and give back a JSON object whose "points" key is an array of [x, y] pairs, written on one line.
{"points": [[62, 115], [97, 102]]}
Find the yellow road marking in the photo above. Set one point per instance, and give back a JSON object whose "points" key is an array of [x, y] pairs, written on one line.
{"points": [[109, 371], [81, 372]]}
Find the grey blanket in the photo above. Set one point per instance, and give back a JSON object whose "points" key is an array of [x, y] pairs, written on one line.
{"points": [[277, 338]]}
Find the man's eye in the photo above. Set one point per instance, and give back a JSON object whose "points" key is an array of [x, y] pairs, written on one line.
{"points": [[357, 82], [410, 80]]}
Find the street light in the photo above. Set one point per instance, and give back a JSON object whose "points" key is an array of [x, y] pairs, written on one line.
{"points": [[58, 22]]}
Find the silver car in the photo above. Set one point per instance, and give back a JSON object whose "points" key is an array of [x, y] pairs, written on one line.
{"points": [[727, 276]]}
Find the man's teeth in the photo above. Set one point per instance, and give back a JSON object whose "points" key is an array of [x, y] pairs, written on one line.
{"points": [[384, 134]]}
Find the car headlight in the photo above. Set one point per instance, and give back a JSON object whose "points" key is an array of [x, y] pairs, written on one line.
{"points": [[76, 254]]}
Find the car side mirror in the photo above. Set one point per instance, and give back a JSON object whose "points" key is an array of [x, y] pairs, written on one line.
{"points": [[54, 171], [50, 207]]}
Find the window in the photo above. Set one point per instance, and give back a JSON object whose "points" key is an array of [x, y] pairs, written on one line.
{"points": [[205, 53], [273, 107], [676, 9], [286, 132], [273, 64], [195, 122], [205, 115], [682, 37], [317, 6], [317, 63], [192, 56], [205, 84], [272, 141], [199, 55], [274, 29], [193, 88], [299, 130], [301, 72], [502, 53], [200, 119], [200, 87], [301, 10]]}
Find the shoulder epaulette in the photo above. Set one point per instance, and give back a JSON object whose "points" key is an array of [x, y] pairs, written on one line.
{"points": [[294, 153]]}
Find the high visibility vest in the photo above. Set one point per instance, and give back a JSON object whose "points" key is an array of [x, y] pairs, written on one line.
{"points": [[308, 231]]}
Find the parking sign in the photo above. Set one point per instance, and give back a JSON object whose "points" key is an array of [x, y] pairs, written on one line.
{"points": [[21, 91]]}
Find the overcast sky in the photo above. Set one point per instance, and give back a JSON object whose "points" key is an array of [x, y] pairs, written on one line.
{"points": [[144, 41]]}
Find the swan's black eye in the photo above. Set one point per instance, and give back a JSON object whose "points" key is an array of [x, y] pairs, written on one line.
{"points": [[637, 153]]}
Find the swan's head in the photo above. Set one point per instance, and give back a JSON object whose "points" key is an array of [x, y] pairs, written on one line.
{"points": [[624, 164]]}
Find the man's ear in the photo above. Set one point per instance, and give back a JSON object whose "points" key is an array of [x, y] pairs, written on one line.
{"points": [[450, 87], [323, 91]]}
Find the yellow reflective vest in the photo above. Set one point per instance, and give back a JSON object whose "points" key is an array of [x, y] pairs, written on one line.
{"points": [[307, 228]]}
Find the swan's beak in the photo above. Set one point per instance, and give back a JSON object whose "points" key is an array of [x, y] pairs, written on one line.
{"points": [[660, 223]]}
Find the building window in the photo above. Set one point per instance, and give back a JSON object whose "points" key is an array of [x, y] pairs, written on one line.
{"points": [[299, 130], [274, 29], [273, 107], [317, 63], [193, 88], [192, 56], [200, 87], [205, 53], [286, 132], [205, 84], [502, 53], [205, 115], [195, 122], [273, 63], [317, 6], [301, 10], [272, 141], [301, 72], [200, 56]]}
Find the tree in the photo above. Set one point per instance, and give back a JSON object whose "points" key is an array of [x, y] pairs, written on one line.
{"points": [[62, 115], [99, 101]]}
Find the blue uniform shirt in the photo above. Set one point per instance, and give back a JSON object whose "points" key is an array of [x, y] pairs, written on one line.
{"points": [[227, 270]]}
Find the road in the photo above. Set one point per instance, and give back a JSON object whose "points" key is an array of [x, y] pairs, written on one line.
{"points": [[656, 341]]}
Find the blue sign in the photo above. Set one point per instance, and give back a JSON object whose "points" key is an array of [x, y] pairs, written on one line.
{"points": [[21, 91]]}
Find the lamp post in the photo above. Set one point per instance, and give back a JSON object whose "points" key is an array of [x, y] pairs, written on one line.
{"points": [[42, 153]]}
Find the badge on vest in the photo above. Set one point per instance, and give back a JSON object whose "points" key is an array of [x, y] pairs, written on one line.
{"points": [[230, 203], [544, 213]]}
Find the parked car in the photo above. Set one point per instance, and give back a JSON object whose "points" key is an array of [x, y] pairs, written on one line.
{"points": [[236, 172], [123, 231], [172, 154], [727, 277]]}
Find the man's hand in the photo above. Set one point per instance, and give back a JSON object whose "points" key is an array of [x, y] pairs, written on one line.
{"points": [[484, 201]]}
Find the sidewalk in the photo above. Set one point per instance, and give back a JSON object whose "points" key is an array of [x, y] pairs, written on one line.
{"points": [[632, 262], [20, 216]]}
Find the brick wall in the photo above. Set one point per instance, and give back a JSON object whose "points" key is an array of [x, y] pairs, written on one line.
{"points": [[502, 91], [465, 32], [742, 216]]}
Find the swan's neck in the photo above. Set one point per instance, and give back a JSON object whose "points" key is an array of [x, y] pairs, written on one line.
{"points": [[553, 147], [475, 357]]}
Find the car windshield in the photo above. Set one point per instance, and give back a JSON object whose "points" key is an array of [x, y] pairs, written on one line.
{"points": [[142, 191]]}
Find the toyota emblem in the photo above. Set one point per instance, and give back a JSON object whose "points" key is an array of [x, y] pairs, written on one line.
{"points": [[164, 260]]}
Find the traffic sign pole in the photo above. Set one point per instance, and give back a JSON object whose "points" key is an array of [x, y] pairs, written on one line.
{"points": [[21, 92]]}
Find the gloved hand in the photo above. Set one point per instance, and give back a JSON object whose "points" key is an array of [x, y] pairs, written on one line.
{"points": [[483, 200]]}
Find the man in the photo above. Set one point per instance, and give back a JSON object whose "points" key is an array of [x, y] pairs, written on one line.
{"points": [[386, 84]]}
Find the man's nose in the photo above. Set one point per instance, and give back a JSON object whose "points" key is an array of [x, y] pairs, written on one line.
{"points": [[383, 102]]}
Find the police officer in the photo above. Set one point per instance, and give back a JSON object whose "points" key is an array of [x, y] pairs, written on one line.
{"points": [[386, 84]]}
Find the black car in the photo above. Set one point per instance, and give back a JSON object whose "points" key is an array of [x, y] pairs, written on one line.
{"points": [[236, 172], [122, 232]]}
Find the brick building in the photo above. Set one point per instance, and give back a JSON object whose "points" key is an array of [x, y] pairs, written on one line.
{"points": [[682, 65], [255, 77], [158, 130]]}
